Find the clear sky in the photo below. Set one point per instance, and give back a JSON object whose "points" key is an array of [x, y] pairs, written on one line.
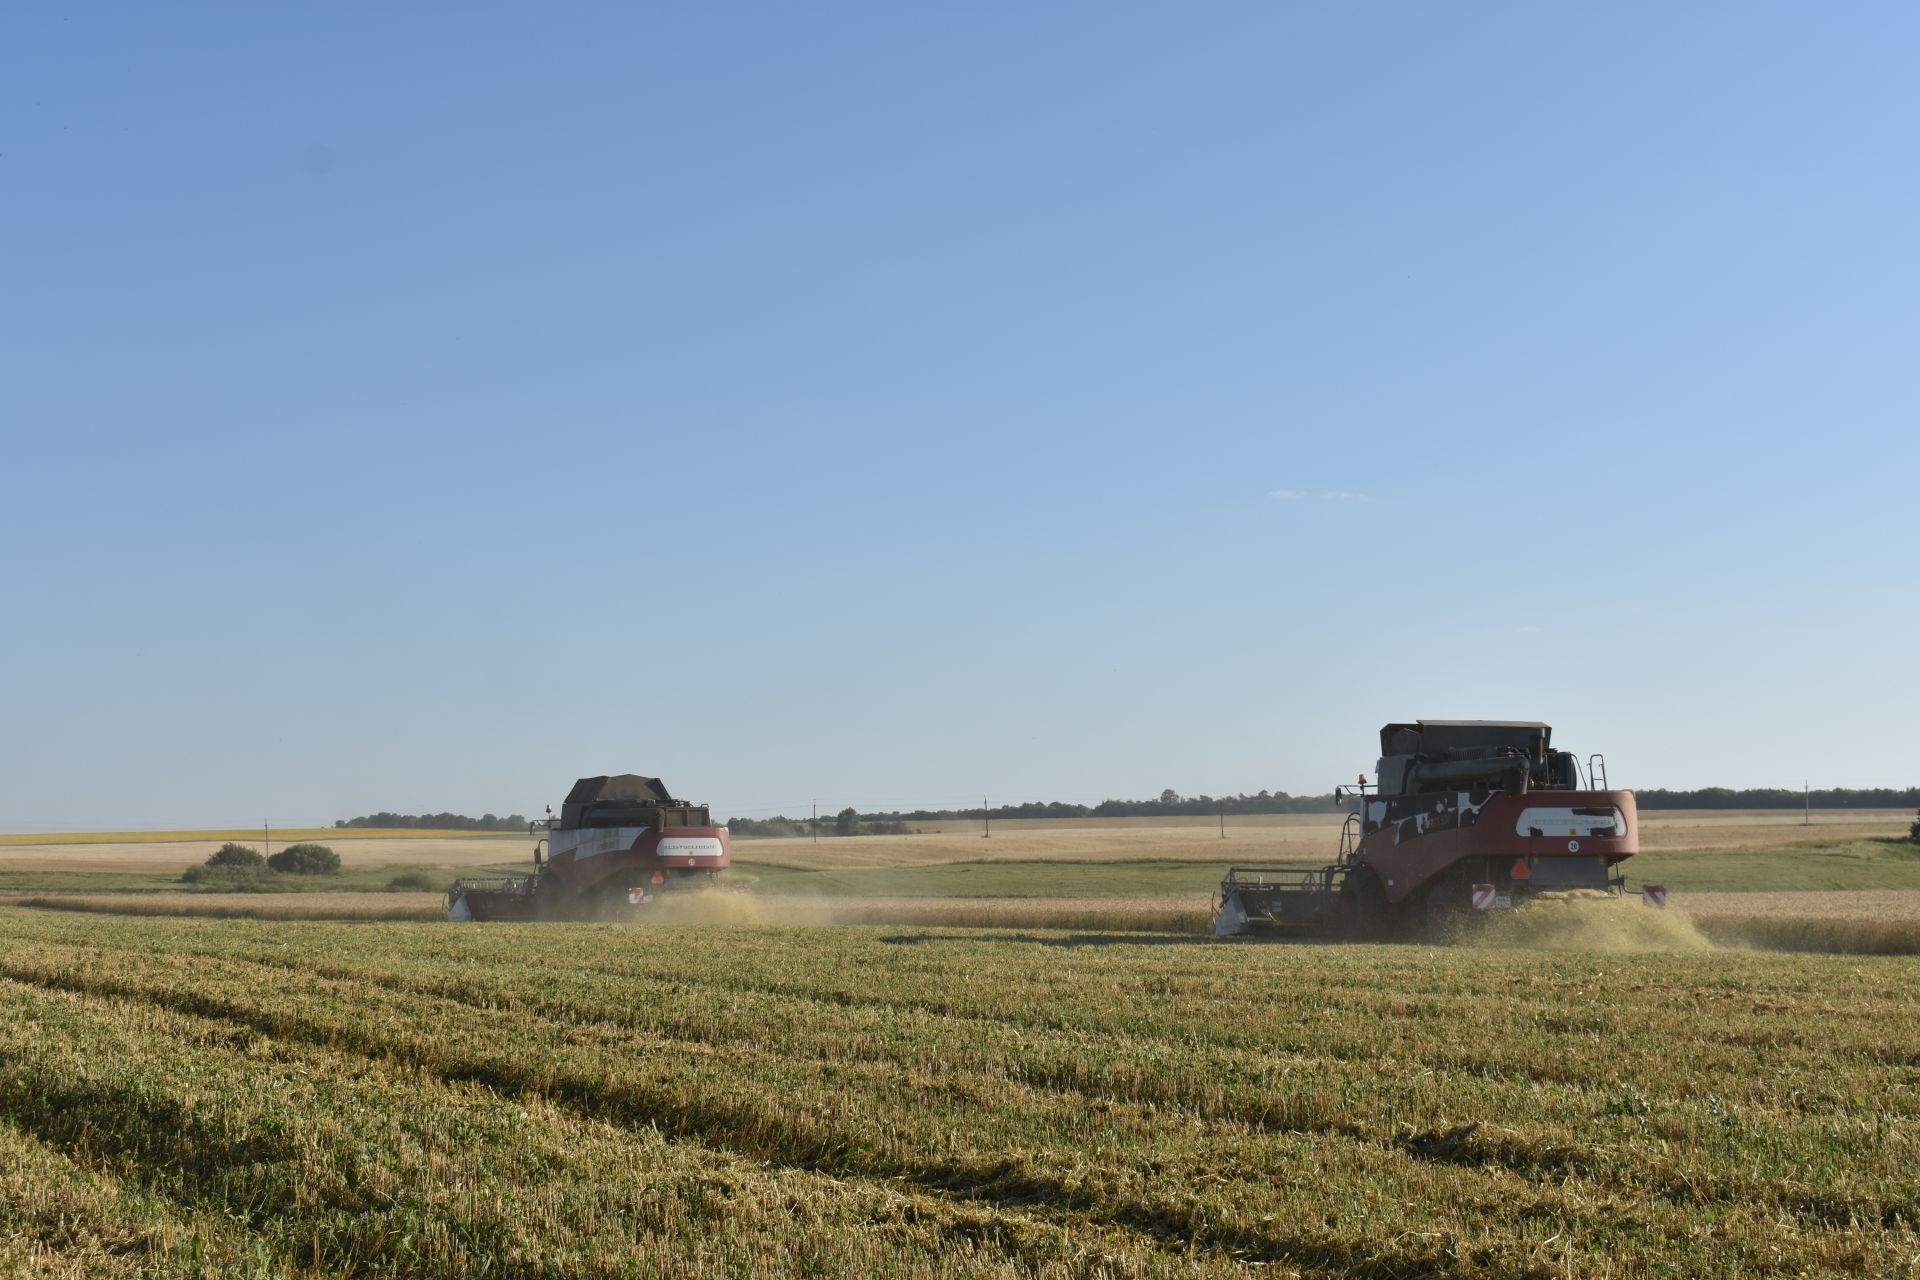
{"points": [[419, 406]]}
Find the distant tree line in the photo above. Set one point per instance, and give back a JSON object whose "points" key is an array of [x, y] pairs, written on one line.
{"points": [[847, 822], [1169, 804], [1779, 798], [437, 822]]}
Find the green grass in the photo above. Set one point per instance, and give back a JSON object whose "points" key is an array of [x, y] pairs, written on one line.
{"points": [[190, 1097], [1853, 864], [1857, 864], [356, 879], [1038, 878]]}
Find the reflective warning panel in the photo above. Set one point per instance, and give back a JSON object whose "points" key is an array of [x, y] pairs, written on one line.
{"points": [[1654, 895], [1561, 820]]}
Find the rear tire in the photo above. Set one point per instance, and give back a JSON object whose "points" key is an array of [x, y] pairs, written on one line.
{"points": [[1364, 909], [1449, 910]]}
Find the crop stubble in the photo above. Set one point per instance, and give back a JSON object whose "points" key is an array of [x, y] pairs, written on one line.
{"points": [[595, 1100]]}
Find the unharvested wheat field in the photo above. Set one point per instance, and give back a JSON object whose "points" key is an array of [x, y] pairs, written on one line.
{"points": [[1292, 838], [300, 1099], [175, 856]]}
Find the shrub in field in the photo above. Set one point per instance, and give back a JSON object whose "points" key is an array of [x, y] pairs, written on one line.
{"points": [[1913, 832], [236, 855], [415, 880], [305, 860], [231, 865]]}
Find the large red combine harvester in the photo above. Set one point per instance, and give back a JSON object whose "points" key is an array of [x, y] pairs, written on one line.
{"points": [[619, 843], [1463, 814]]}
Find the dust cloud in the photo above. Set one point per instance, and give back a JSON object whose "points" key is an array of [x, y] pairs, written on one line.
{"points": [[1589, 922]]}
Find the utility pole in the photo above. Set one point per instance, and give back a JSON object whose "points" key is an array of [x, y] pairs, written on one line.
{"points": [[986, 816], [266, 839], [1808, 788], [1223, 823], [816, 822]]}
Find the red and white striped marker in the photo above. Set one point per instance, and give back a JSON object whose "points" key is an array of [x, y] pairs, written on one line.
{"points": [[1483, 897], [1654, 895]]}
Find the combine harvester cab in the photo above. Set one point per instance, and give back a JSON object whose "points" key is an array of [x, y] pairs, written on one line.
{"points": [[619, 843], [1463, 815]]}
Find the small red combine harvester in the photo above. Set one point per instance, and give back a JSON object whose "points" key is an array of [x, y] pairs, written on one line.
{"points": [[620, 842], [1463, 815]]}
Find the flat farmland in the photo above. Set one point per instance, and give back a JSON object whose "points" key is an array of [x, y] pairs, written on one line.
{"points": [[220, 1098], [1159, 862], [1285, 838], [1289, 838], [156, 856]]}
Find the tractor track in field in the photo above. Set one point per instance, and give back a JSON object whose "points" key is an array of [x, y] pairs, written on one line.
{"points": [[1488, 1148], [465, 992], [178, 1151], [1486, 1151], [741, 1132], [91, 1211], [754, 1133]]}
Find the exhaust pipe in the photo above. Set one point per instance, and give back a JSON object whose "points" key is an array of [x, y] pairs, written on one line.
{"points": [[1512, 771]]}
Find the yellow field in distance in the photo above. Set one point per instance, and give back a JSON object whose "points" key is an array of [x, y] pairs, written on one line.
{"points": [[1301, 838], [281, 835]]}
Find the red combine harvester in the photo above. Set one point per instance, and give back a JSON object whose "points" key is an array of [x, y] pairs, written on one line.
{"points": [[620, 842], [1463, 814]]}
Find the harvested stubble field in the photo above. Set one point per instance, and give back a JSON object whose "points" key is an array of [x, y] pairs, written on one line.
{"points": [[224, 1098]]}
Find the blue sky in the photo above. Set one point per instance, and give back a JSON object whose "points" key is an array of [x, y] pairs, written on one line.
{"points": [[416, 408]]}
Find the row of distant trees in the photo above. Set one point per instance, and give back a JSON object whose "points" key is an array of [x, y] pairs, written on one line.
{"points": [[1780, 798], [1171, 804], [437, 821], [847, 822]]}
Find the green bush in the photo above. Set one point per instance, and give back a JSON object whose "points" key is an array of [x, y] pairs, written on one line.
{"points": [[305, 860], [415, 880], [1913, 832], [237, 856]]}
